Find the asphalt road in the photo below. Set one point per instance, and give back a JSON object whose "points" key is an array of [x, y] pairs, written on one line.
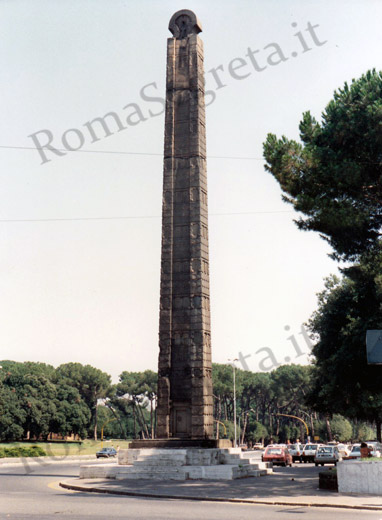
{"points": [[35, 495]]}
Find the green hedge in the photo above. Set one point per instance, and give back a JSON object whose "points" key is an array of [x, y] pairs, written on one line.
{"points": [[22, 451]]}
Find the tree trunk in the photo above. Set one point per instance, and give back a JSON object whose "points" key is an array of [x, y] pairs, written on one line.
{"points": [[270, 423], [119, 422], [277, 426], [244, 427], [145, 431], [302, 434], [135, 421], [378, 425], [156, 420], [218, 413], [328, 429], [312, 427], [151, 419], [263, 414], [95, 422]]}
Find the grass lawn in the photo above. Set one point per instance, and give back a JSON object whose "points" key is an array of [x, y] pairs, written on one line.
{"points": [[88, 447]]}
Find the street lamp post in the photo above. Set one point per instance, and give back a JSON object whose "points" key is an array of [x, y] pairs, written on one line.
{"points": [[311, 423], [232, 362]]}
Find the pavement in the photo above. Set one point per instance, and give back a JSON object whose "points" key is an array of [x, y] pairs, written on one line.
{"points": [[42, 461], [295, 486]]}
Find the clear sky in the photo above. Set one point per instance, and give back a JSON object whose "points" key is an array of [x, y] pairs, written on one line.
{"points": [[80, 233]]}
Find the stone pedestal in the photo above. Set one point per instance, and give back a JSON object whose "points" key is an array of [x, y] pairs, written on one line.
{"points": [[180, 464]]}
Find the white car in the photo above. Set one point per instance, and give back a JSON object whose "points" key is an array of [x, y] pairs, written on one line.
{"points": [[344, 449], [296, 451], [376, 450], [309, 452], [327, 455]]}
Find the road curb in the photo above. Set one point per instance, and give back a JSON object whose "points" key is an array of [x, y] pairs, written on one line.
{"points": [[76, 487]]}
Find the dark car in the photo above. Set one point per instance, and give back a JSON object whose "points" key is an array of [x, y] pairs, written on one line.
{"points": [[277, 455], [106, 453]]}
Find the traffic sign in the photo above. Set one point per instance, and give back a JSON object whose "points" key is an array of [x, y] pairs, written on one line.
{"points": [[374, 347]]}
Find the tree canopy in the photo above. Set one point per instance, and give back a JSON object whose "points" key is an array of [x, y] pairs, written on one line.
{"points": [[334, 177], [37, 400], [343, 381], [92, 383]]}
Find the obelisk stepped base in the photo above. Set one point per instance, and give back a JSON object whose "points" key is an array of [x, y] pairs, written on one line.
{"points": [[180, 464]]}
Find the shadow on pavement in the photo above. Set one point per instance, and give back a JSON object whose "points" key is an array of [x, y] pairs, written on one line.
{"points": [[285, 482]]}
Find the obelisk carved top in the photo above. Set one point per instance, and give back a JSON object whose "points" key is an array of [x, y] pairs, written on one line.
{"points": [[183, 23]]}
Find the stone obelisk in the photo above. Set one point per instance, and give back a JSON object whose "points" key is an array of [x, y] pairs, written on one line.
{"points": [[185, 406]]}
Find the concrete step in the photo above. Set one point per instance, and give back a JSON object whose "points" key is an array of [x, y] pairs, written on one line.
{"points": [[167, 463], [245, 460], [155, 469], [99, 471], [248, 471], [250, 454], [160, 461], [255, 462], [161, 458]]}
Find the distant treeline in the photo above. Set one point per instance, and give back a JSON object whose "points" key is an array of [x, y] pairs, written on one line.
{"points": [[38, 401]]}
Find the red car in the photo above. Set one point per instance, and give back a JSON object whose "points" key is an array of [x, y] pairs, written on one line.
{"points": [[277, 455]]}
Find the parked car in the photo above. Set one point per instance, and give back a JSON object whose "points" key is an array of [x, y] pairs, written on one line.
{"points": [[355, 453], [106, 453], [296, 451], [327, 455], [376, 448], [309, 452], [344, 449], [277, 455], [258, 446]]}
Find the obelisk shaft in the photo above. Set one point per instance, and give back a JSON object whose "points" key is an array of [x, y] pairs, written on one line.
{"points": [[185, 407]]}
